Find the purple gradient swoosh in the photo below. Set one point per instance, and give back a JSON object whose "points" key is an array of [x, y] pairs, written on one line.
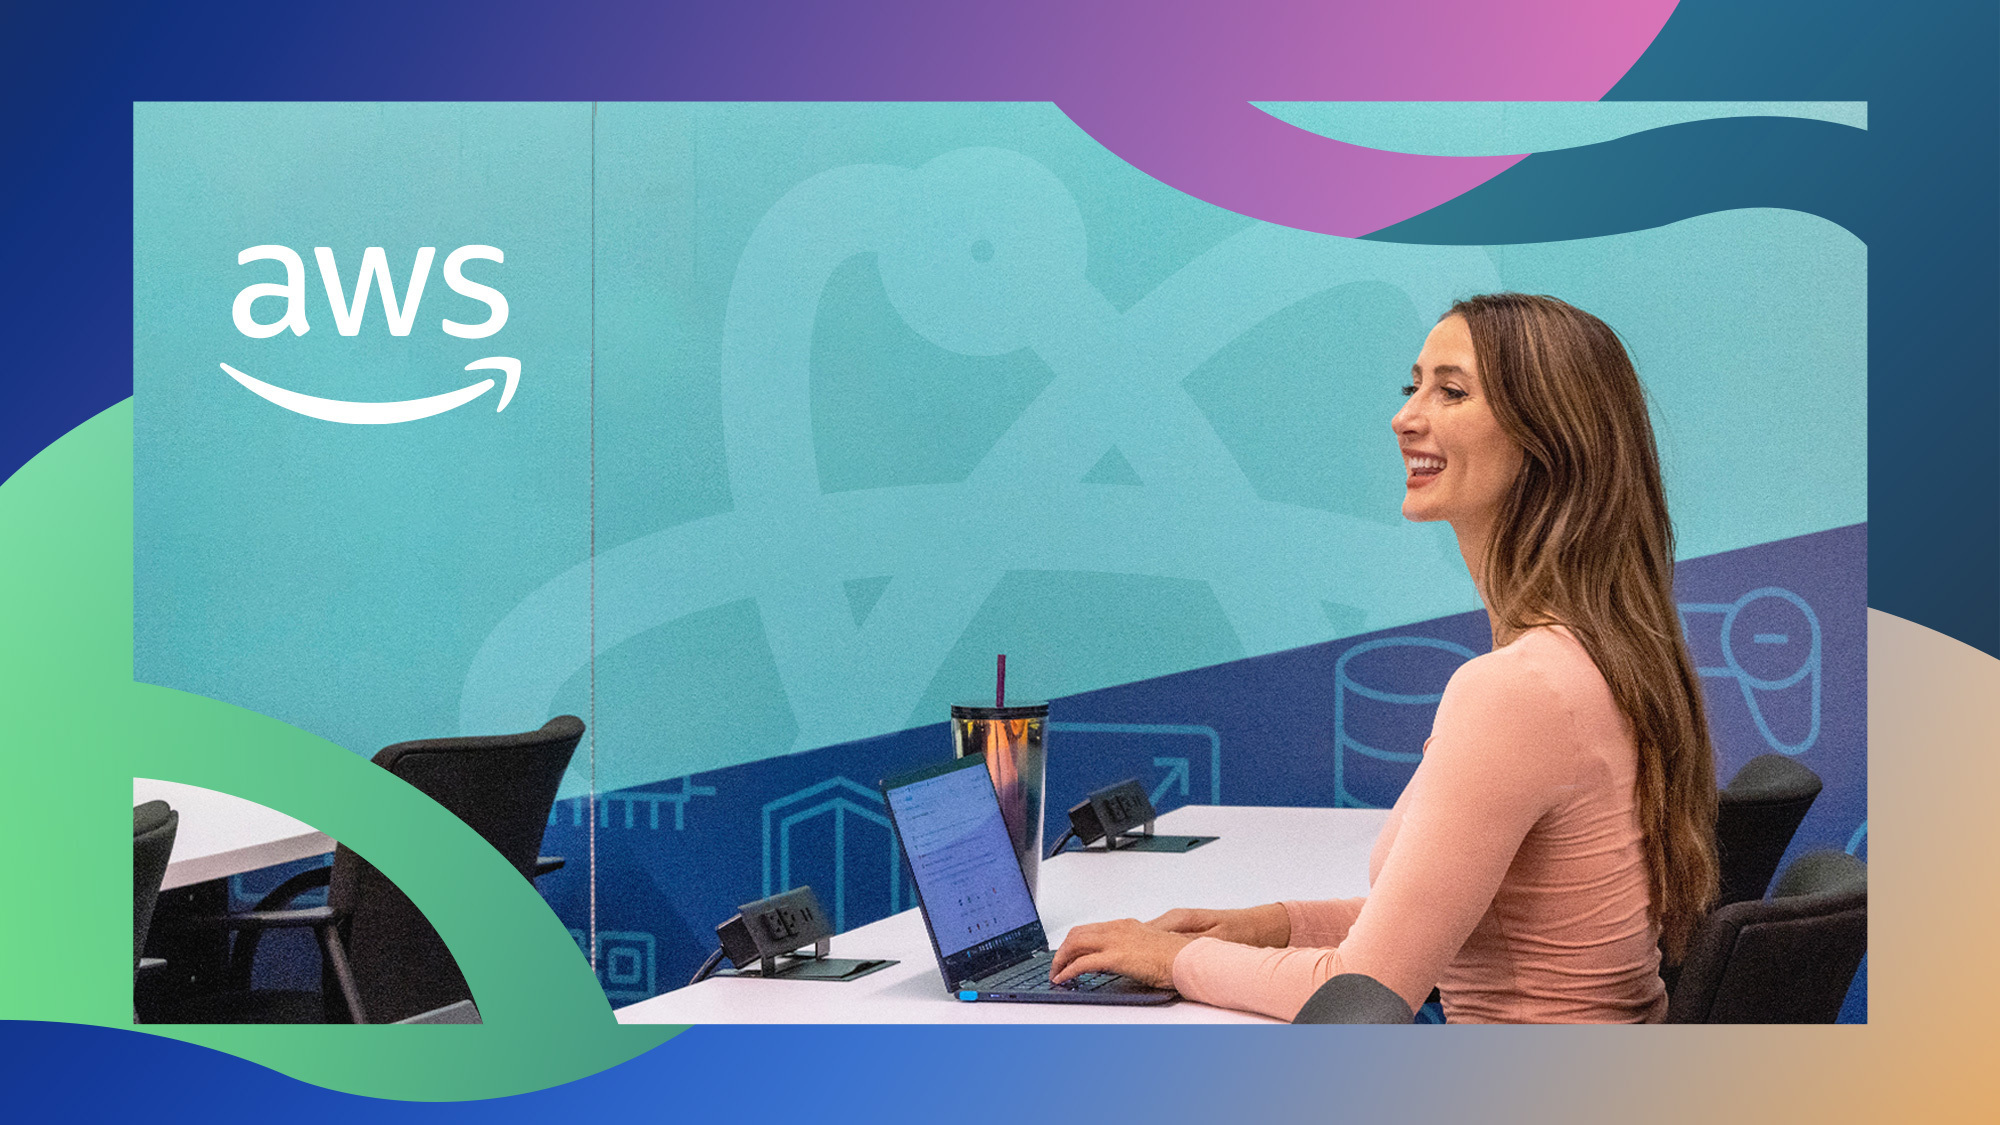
{"points": [[1181, 111]]}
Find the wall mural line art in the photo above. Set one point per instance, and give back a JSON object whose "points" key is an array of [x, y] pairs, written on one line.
{"points": [[837, 802], [1348, 693], [981, 251], [627, 962], [629, 801], [1774, 653], [1771, 607], [1178, 769]]}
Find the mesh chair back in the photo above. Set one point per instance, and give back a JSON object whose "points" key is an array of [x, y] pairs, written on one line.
{"points": [[1755, 817], [503, 788], [153, 828], [1786, 960]]}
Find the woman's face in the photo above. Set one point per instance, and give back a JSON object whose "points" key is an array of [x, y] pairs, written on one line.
{"points": [[1458, 462]]}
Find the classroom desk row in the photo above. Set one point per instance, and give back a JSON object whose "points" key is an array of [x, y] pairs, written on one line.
{"points": [[1263, 855]]}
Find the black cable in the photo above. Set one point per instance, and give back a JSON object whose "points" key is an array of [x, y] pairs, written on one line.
{"points": [[1068, 835], [707, 967]]}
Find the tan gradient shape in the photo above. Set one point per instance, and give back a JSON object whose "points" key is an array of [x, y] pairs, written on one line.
{"points": [[1927, 1053], [1934, 779]]}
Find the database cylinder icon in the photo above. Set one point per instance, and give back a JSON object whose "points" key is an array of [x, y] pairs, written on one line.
{"points": [[1012, 738], [1385, 696]]}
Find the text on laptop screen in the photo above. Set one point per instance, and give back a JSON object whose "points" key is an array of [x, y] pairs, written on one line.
{"points": [[961, 857]]}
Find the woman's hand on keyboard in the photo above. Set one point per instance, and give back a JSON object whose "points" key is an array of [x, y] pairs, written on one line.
{"points": [[1126, 946], [1267, 925]]}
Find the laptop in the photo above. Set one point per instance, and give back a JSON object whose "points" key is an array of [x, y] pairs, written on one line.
{"points": [[983, 926]]}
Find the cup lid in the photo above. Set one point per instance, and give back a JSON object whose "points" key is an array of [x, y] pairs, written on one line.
{"points": [[1029, 710]]}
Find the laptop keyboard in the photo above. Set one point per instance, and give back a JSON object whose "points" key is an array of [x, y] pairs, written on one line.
{"points": [[1033, 976]]}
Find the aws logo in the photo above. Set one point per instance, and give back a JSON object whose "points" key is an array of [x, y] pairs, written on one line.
{"points": [[348, 313]]}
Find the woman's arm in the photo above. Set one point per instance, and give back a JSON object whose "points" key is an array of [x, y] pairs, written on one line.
{"points": [[1276, 924], [1151, 958], [1250, 925], [1321, 924]]}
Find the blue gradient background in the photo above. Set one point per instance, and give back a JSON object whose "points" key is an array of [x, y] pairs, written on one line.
{"points": [[71, 73]]}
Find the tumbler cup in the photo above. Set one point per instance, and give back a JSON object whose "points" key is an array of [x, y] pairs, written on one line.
{"points": [[1011, 738]]}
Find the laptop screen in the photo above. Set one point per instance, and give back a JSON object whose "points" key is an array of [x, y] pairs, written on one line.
{"points": [[974, 898]]}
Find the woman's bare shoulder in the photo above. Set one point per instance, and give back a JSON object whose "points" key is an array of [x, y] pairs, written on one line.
{"points": [[1509, 714], [1545, 664]]}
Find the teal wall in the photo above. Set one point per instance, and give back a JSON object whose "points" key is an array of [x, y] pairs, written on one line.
{"points": [[870, 393]]}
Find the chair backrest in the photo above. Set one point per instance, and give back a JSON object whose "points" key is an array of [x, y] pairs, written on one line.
{"points": [[1755, 817], [503, 787], [1354, 998], [153, 828], [1786, 960]]}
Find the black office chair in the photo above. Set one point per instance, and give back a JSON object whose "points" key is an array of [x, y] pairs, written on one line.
{"points": [[1354, 998], [1786, 960], [1755, 817], [153, 827], [381, 960]]}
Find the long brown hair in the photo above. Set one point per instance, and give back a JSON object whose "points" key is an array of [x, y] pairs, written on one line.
{"points": [[1583, 540]]}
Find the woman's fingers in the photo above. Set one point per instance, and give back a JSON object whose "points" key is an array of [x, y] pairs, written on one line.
{"points": [[1094, 939], [1085, 939], [1090, 963], [1124, 946]]}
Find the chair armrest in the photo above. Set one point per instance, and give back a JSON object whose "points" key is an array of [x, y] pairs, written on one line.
{"points": [[252, 925], [548, 863], [282, 895], [269, 913], [1354, 998]]}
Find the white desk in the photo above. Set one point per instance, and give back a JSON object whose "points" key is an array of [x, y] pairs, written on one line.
{"points": [[1263, 855], [220, 835]]}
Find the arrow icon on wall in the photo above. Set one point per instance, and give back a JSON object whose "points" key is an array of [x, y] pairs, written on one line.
{"points": [[1177, 770]]}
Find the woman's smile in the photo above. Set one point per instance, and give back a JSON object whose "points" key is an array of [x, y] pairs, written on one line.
{"points": [[1421, 467], [1457, 461]]}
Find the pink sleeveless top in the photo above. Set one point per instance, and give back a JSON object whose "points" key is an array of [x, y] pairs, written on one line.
{"points": [[1510, 874]]}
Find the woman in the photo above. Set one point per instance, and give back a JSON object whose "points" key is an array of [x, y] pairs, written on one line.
{"points": [[1558, 834]]}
